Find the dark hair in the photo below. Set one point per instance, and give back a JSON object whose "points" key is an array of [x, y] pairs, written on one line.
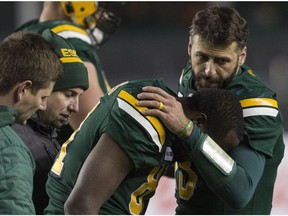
{"points": [[223, 110], [28, 56], [220, 26]]}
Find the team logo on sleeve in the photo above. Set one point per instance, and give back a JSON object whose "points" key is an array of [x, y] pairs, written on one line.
{"points": [[169, 155]]}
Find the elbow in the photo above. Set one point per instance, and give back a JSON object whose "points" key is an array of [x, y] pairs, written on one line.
{"points": [[80, 207], [238, 197], [72, 208], [237, 202], [69, 208]]}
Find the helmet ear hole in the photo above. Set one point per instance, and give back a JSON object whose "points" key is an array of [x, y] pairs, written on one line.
{"points": [[78, 11], [69, 8]]}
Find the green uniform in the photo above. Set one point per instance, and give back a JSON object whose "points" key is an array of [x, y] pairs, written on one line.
{"points": [[82, 43], [253, 178], [144, 139], [16, 168]]}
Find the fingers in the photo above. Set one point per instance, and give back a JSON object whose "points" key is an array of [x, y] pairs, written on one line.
{"points": [[153, 112], [160, 106], [151, 104], [154, 93], [163, 106], [152, 97], [153, 89]]}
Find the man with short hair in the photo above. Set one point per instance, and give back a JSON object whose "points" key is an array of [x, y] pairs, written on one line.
{"points": [[40, 132], [29, 69], [217, 51]]}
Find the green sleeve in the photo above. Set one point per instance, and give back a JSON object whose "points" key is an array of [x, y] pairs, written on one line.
{"points": [[239, 190], [16, 179], [235, 187], [209, 171]]}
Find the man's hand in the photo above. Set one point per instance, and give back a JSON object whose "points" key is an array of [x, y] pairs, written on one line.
{"points": [[170, 112]]}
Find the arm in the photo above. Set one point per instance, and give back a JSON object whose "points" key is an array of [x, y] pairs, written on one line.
{"points": [[240, 189], [244, 166], [235, 185], [101, 174], [89, 98], [16, 181]]}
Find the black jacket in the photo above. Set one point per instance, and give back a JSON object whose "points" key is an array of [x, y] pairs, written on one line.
{"points": [[41, 140]]}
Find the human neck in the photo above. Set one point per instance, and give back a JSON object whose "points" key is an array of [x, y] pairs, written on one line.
{"points": [[52, 11], [7, 100]]}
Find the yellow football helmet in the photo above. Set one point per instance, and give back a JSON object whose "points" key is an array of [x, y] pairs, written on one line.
{"points": [[99, 22]]}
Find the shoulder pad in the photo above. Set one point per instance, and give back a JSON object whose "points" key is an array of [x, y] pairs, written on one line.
{"points": [[71, 31]]}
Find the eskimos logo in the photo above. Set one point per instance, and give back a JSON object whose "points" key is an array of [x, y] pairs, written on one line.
{"points": [[68, 52], [69, 56]]}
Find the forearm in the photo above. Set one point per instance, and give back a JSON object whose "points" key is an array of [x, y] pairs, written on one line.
{"points": [[215, 167], [239, 190], [232, 177], [80, 208]]}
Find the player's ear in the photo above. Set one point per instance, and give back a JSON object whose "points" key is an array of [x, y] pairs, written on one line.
{"points": [[201, 119], [242, 56], [22, 88], [189, 46]]}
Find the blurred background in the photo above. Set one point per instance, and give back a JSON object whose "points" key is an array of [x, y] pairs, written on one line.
{"points": [[151, 42]]}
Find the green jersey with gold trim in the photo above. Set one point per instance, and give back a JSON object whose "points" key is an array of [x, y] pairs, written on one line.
{"points": [[144, 139], [264, 126]]}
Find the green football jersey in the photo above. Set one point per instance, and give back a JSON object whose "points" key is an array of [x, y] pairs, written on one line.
{"points": [[81, 41], [264, 126], [144, 139]]}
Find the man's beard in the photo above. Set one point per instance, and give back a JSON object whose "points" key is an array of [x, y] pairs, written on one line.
{"points": [[66, 122], [202, 81], [59, 124]]}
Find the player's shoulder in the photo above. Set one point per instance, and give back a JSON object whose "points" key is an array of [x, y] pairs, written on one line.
{"points": [[27, 25], [66, 29], [248, 84], [70, 30], [255, 97], [126, 111]]}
